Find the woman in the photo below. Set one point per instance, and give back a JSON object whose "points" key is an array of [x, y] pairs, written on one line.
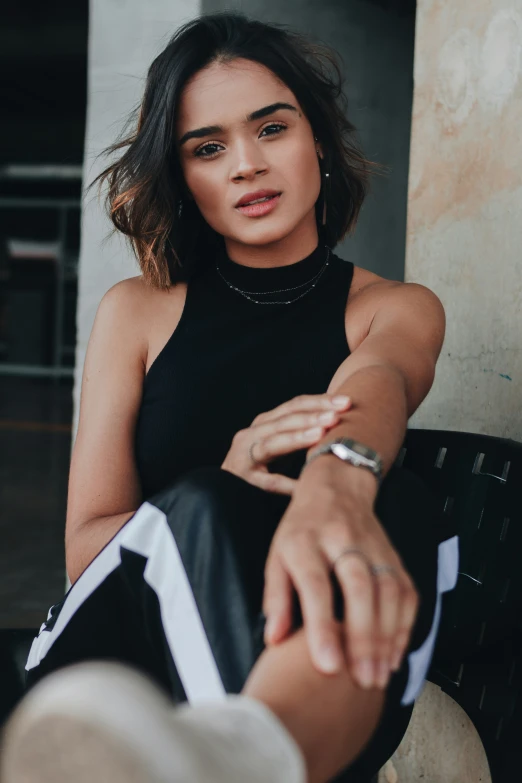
{"points": [[209, 379]]}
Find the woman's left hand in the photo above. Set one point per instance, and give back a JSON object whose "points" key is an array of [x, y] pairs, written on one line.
{"points": [[330, 512]]}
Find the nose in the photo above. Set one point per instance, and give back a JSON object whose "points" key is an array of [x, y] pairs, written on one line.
{"points": [[249, 162]]}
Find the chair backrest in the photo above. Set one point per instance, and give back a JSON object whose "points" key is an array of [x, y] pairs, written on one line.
{"points": [[477, 480]]}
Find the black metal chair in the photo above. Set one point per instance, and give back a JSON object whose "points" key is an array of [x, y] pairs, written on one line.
{"points": [[477, 661], [477, 482]]}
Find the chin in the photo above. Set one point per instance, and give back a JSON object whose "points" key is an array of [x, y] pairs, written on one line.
{"points": [[262, 233], [265, 237]]}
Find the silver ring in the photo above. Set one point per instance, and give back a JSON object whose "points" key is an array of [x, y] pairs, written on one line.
{"points": [[375, 569], [250, 450], [350, 551]]}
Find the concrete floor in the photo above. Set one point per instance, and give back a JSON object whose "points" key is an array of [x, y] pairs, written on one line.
{"points": [[441, 745], [35, 444]]}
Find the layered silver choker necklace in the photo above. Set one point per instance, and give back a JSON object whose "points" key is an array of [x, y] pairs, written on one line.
{"points": [[314, 282]]}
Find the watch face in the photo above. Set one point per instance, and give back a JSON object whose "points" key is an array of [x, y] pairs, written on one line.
{"points": [[359, 448], [341, 450], [356, 453], [362, 450]]}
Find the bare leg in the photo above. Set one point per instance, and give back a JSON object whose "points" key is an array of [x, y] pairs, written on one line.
{"points": [[330, 716]]}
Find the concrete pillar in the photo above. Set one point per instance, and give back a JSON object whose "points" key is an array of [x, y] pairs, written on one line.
{"points": [[124, 37], [465, 199], [463, 241]]}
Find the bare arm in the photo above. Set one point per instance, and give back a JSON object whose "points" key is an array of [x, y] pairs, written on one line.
{"points": [[104, 490], [388, 374]]}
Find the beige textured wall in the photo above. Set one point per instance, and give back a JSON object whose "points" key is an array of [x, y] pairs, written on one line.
{"points": [[465, 207]]}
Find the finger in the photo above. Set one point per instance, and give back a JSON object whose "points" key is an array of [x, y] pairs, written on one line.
{"points": [[358, 588], [309, 572], [273, 446], [272, 482], [304, 402], [388, 590], [293, 422], [408, 609], [277, 601]]}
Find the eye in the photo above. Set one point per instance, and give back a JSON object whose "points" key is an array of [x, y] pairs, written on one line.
{"points": [[201, 152], [211, 149], [278, 128]]}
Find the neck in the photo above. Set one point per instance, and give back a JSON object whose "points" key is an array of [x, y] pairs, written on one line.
{"points": [[272, 279], [281, 252]]}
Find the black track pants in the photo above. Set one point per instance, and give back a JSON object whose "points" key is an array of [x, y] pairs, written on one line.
{"points": [[177, 593]]}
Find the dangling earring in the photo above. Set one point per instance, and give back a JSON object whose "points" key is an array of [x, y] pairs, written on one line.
{"points": [[327, 181], [180, 207]]}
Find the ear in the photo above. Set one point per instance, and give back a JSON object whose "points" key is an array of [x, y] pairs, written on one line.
{"points": [[319, 148]]}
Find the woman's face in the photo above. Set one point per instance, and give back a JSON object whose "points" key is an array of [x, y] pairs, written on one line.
{"points": [[232, 154]]}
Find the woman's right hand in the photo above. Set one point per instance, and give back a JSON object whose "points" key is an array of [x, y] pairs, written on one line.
{"points": [[294, 425]]}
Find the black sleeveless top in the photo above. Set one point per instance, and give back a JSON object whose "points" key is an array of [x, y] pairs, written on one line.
{"points": [[230, 359]]}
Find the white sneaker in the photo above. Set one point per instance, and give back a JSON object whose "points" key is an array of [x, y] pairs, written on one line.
{"points": [[106, 723]]}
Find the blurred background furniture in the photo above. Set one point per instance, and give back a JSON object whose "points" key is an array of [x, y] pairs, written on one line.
{"points": [[39, 249]]}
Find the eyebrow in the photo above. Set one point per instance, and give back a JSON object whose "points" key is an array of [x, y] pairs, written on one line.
{"points": [[255, 115]]}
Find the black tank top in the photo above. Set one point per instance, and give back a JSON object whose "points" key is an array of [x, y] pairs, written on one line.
{"points": [[230, 359]]}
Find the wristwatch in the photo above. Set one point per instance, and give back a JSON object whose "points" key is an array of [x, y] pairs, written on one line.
{"points": [[350, 451]]}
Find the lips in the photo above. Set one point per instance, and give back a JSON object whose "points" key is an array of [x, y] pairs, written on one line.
{"points": [[254, 196]]}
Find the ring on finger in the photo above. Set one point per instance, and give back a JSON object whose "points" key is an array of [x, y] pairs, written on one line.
{"points": [[375, 569], [251, 454], [351, 551]]}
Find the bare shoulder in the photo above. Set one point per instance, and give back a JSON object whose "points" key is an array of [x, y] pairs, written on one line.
{"points": [[145, 316], [366, 284], [122, 298], [132, 291], [370, 294], [121, 314]]}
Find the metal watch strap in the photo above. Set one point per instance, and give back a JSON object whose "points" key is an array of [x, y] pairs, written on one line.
{"points": [[353, 452]]}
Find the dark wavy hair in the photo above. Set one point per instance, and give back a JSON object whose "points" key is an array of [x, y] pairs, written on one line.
{"points": [[146, 186]]}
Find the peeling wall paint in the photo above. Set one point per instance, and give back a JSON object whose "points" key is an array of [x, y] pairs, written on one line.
{"points": [[464, 235]]}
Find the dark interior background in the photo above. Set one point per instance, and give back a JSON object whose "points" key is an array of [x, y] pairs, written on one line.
{"points": [[43, 92]]}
